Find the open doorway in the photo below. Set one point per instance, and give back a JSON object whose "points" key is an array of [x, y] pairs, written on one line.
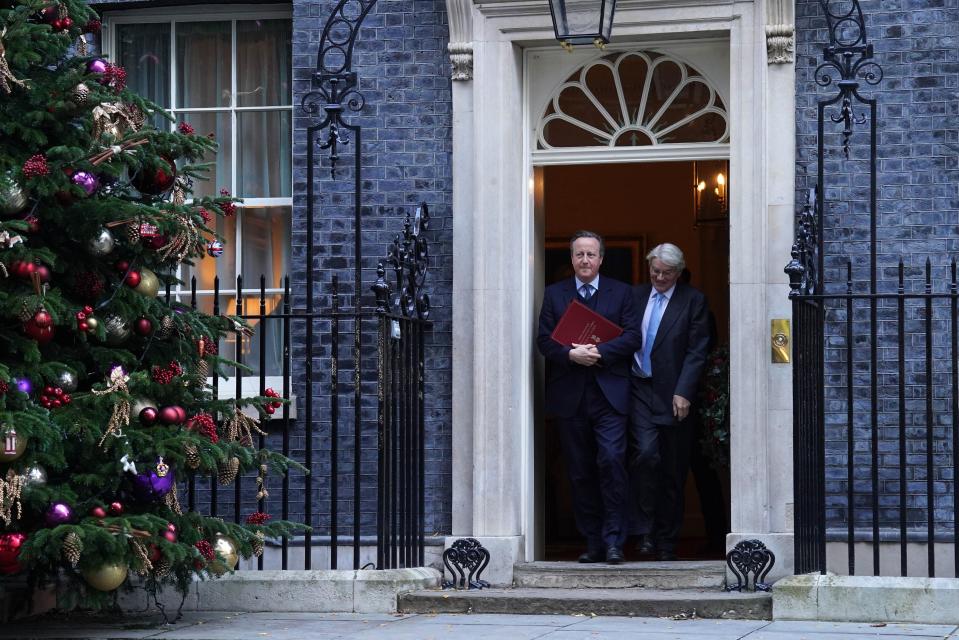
{"points": [[635, 206]]}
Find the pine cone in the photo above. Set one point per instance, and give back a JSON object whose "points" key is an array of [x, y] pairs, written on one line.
{"points": [[72, 548], [226, 471], [257, 544], [25, 312], [192, 456], [166, 328], [202, 369], [80, 94], [161, 568], [133, 232]]}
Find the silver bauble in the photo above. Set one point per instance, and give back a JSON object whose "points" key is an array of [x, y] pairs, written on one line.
{"points": [[102, 243], [34, 476], [13, 200], [117, 329], [67, 380]]}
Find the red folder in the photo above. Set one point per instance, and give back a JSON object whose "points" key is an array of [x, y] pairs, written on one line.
{"points": [[582, 325]]}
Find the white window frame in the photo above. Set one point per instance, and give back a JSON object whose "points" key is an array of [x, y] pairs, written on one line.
{"points": [[215, 13]]}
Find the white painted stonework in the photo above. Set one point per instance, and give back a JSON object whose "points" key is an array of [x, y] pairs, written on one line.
{"points": [[498, 242]]}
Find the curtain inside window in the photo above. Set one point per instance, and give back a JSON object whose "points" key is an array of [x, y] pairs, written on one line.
{"points": [[203, 64], [143, 50]]}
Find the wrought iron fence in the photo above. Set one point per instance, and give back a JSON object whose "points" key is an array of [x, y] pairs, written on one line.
{"points": [[877, 422], [392, 388]]}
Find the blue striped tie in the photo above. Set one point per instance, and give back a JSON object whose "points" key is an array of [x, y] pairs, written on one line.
{"points": [[655, 316]]}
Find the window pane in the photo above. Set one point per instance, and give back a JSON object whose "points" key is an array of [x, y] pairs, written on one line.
{"points": [[267, 335], [144, 51], [224, 266], [203, 64], [220, 171], [266, 242], [264, 51], [263, 165]]}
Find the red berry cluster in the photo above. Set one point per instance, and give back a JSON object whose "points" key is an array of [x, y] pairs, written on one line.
{"points": [[271, 407], [209, 346], [114, 77], [258, 517], [205, 549], [228, 208], [165, 375], [88, 285], [186, 129], [4, 387], [36, 166], [206, 215], [82, 318], [205, 424], [54, 397], [93, 26]]}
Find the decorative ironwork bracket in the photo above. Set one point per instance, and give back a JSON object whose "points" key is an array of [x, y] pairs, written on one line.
{"points": [[409, 258], [750, 556], [466, 558], [850, 55], [803, 269], [334, 83]]}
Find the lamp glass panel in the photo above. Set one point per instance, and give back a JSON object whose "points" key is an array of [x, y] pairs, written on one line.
{"points": [[581, 18]]}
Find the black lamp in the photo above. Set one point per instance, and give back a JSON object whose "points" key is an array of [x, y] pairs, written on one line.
{"points": [[582, 21]]}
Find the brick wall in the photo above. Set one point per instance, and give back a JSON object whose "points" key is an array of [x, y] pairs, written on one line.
{"points": [[918, 208]]}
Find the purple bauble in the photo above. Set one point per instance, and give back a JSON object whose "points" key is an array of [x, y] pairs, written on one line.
{"points": [[97, 65], [148, 486], [24, 385], [87, 181], [148, 415], [58, 513]]}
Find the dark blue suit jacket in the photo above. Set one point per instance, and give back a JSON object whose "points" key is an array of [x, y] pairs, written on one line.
{"points": [[566, 380], [679, 351]]}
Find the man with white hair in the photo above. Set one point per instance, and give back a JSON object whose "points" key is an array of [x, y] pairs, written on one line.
{"points": [[664, 375]]}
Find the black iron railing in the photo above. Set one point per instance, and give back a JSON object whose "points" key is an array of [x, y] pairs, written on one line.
{"points": [[385, 458]]}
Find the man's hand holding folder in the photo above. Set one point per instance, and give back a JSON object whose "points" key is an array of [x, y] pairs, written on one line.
{"points": [[582, 329]]}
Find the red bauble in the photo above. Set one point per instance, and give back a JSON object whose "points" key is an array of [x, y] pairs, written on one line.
{"points": [[143, 326], [10, 545], [155, 554], [42, 335], [122, 266], [154, 181], [180, 414], [148, 415], [156, 242], [169, 415], [98, 512], [133, 278], [43, 319], [44, 272], [116, 508], [169, 536]]}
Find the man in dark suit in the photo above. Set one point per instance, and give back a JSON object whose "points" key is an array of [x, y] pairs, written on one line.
{"points": [[587, 389], [665, 375]]}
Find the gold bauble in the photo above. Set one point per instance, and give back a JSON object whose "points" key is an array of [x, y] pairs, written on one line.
{"points": [[106, 578], [18, 451], [224, 546], [149, 284], [92, 324]]}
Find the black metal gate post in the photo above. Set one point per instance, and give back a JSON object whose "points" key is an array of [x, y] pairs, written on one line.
{"points": [[850, 56]]}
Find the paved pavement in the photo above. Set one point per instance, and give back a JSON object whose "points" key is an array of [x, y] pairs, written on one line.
{"points": [[346, 626]]}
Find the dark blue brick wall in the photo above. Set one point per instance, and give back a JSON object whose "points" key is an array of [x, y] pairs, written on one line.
{"points": [[403, 70], [918, 176]]}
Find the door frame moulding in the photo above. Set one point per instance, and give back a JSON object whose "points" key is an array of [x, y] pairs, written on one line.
{"points": [[499, 220]]}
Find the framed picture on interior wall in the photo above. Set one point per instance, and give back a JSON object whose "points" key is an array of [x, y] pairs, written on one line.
{"points": [[623, 259]]}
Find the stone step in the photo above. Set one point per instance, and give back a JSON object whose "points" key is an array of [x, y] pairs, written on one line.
{"points": [[651, 575], [683, 603]]}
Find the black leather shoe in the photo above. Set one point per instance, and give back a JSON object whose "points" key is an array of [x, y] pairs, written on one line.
{"points": [[589, 557], [646, 547], [665, 555], [614, 555]]}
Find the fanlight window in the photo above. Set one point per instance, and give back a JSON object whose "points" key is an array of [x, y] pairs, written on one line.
{"points": [[633, 99]]}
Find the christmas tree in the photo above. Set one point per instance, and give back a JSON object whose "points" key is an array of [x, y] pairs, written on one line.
{"points": [[105, 395]]}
